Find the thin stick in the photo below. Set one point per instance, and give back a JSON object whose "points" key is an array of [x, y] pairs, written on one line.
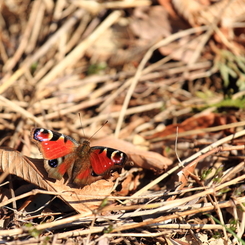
{"points": [[25, 37], [188, 160], [79, 51], [142, 65], [23, 112], [9, 81]]}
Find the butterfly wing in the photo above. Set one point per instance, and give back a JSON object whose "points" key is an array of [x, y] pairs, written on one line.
{"points": [[104, 159], [55, 146], [96, 163], [86, 176]]}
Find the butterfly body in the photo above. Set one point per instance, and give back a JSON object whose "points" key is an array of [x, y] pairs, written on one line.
{"points": [[82, 163]]}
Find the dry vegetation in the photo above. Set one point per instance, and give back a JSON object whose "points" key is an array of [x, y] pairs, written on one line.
{"points": [[168, 76]]}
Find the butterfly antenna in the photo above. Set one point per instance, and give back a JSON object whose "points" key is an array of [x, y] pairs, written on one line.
{"points": [[99, 129], [80, 118]]}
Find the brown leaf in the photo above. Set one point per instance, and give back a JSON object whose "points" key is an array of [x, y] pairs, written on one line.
{"points": [[167, 5], [176, 53], [150, 23], [141, 158], [199, 12], [185, 173], [85, 199], [15, 163], [32, 170], [200, 122]]}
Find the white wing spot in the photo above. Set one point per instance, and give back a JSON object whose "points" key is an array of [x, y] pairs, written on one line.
{"points": [[114, 153], [50, 134]]}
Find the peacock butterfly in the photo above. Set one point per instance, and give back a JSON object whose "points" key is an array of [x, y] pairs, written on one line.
{"points": [[83, 164]]}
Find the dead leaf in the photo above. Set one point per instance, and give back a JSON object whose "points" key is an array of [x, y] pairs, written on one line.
{"points": [[183, 54], [150, 23], [176, 242], [185, 173], [168, 6], [197, 122], [104, 48], [130, 183], [198, 13], [15, 163], [32, 170]]}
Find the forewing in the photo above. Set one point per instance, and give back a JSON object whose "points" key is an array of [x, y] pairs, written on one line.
{"points": [[53, 144]]}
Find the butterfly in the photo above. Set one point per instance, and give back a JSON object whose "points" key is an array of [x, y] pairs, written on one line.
{"points": [[83, 164]]}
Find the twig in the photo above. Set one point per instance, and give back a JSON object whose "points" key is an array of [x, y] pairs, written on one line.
{"points": [[188, 160], [8, 82], [37, 5], [79, 51], [141, 66], [23, 112]]}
